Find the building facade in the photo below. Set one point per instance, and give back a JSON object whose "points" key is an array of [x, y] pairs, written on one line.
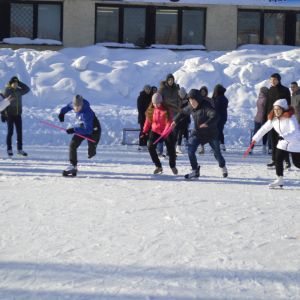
{"points": [[185, 24]]}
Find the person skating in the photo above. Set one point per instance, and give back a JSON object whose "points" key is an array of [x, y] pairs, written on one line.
{"points": [[158, 121], [143, 102], [89, 126], [12, 115], [205, 131], [282, 119]]}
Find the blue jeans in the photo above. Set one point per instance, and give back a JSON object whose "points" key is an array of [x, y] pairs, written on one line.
{"points": [[195, 141]]}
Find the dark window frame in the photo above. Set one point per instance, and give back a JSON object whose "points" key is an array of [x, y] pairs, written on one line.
{"points": [[150, 21], [290, 23], [35, 5]]}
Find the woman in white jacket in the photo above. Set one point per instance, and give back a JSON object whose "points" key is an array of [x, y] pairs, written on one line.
{"points": [[282, 119]]}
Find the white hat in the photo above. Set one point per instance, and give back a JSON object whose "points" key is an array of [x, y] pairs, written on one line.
{"points": [[157, 98], [282, 103]]}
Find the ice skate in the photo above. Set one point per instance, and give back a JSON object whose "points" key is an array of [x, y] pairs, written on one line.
{"points": [[278, 183], [10, 153], [70, 171], [174, 170], [158, 170], [22, 153], [224, 172], [194, 174]]}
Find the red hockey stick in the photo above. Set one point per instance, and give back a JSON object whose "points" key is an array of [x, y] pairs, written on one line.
{"points": [[249, 149]]}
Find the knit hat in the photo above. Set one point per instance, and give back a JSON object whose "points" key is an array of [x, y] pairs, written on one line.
{"points": [[182, 92], [78, 100], [277, 76], [282, 103], [157, 98]]}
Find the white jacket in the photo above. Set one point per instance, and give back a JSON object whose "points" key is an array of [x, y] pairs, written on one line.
{"points": [[3, 104], [286, 127]]}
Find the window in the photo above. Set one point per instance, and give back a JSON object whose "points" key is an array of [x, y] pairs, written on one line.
{"points": [[248, 28], [107, 28], [48, 14], [36, 20], [134, 25], [298, 30], [193, 23], [274, 28], [166, 31], [21, 20]]}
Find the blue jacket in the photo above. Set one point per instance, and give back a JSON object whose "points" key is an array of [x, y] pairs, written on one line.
{"points": [[85, 116]]}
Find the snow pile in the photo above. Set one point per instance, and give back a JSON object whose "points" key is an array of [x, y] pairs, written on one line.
{"points": [[111, 80], [27, 41]]}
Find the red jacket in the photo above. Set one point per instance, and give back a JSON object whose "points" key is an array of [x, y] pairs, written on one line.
{"points": [[161, 120]]}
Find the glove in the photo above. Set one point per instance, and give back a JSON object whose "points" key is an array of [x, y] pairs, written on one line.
{"points": [[70, 130], [3, 118], [61, 117], [144, 135]]}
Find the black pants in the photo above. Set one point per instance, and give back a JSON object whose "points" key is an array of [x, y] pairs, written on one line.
{"points": [[274, 142], [280, 156], [183, 132], [170, 144], [221, 133], [17, 122], [142, 141], [76, 142]]}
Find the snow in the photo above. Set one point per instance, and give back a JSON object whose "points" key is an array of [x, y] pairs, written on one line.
{"points": [[27, 41], [119, 232]]}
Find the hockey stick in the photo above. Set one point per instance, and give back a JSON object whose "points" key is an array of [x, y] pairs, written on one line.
{"points": [[166, 134], [63, 129], [249, 149]]}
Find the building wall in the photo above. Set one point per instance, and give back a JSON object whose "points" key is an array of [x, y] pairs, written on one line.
{"points": [[78, 23], [221, 27]]}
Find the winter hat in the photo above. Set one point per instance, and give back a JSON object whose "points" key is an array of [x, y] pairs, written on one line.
{"points": [[78, 100], [277, 76], [182, 92], [195, 94], [14, 79], [157, 98], [204, 88], [282, 103], [170, 76], [264, 90]]}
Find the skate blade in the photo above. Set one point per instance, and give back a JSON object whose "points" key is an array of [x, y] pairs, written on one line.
{"points": [[68, 174]]}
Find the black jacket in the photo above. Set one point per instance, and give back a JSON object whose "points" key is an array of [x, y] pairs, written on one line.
{"points": [[143, 102], [275, 93], [204, 113]]}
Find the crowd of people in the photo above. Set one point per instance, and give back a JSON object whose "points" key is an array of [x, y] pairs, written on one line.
{"points": [[165, 115], [277, 123]]}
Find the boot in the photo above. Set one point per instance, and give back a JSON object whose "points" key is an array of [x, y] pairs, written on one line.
{"points": [[174, 170], [193, 174], [277, 183], [10, 152], [158, 170], [70, 171], [22, 153], [224, 172]]}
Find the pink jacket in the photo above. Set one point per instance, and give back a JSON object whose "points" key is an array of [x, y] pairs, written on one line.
{"points": [[161, 120]]}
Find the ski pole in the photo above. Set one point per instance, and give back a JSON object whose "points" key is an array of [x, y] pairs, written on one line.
{"points": [[169, 130], [249, 149], [63, 129]]}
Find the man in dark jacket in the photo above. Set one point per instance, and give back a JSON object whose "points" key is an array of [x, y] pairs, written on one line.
{"points": [[89, 126], [143, 102], [13, 113], [277, 91], [205, 131], [220, 105]]}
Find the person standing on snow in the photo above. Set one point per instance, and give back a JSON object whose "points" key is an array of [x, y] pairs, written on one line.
{"points": [[276, 91], [143, 102], [183, 126], [282, 119], [158, 120], [295, 100], [260, 114], [206, 131], [220, 104], [89, 126], [12, 115]]}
